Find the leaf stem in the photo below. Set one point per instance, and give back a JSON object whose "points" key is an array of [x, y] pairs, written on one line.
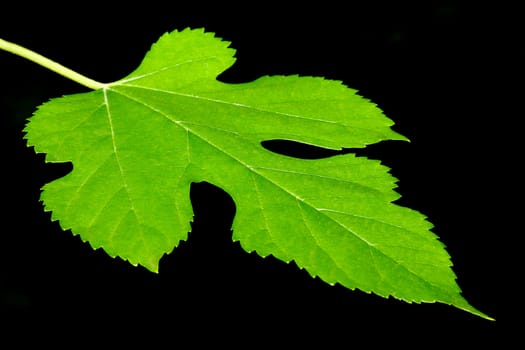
{"points": [[49, 64]]}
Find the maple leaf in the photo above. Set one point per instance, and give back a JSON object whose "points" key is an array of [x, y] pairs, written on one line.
{"points": [[137, 144]]}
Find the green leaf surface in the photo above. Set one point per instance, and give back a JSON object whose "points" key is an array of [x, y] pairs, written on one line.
{"points": [[137, 144]]}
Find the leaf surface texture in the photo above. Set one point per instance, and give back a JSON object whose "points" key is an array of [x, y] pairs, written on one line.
{"points": [[137, 145]]}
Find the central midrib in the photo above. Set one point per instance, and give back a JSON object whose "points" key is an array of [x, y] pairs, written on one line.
{"points": [[253, 169]]}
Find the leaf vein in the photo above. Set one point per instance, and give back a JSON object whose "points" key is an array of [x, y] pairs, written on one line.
{"points": [[354, 183], [84, 182], [369, 218], [234, 104], [162, 69], [310, 231]]}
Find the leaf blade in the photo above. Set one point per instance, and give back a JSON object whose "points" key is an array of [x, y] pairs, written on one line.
{"points": [[137, 145]]}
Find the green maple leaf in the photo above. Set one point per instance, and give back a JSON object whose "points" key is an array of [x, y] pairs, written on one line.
{"points": [[137, 144]]}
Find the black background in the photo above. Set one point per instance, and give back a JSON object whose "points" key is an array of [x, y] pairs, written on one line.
{"points": [[431, 67]]}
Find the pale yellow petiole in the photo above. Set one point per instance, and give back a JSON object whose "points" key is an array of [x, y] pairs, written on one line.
{"points": [[50, 64]]}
